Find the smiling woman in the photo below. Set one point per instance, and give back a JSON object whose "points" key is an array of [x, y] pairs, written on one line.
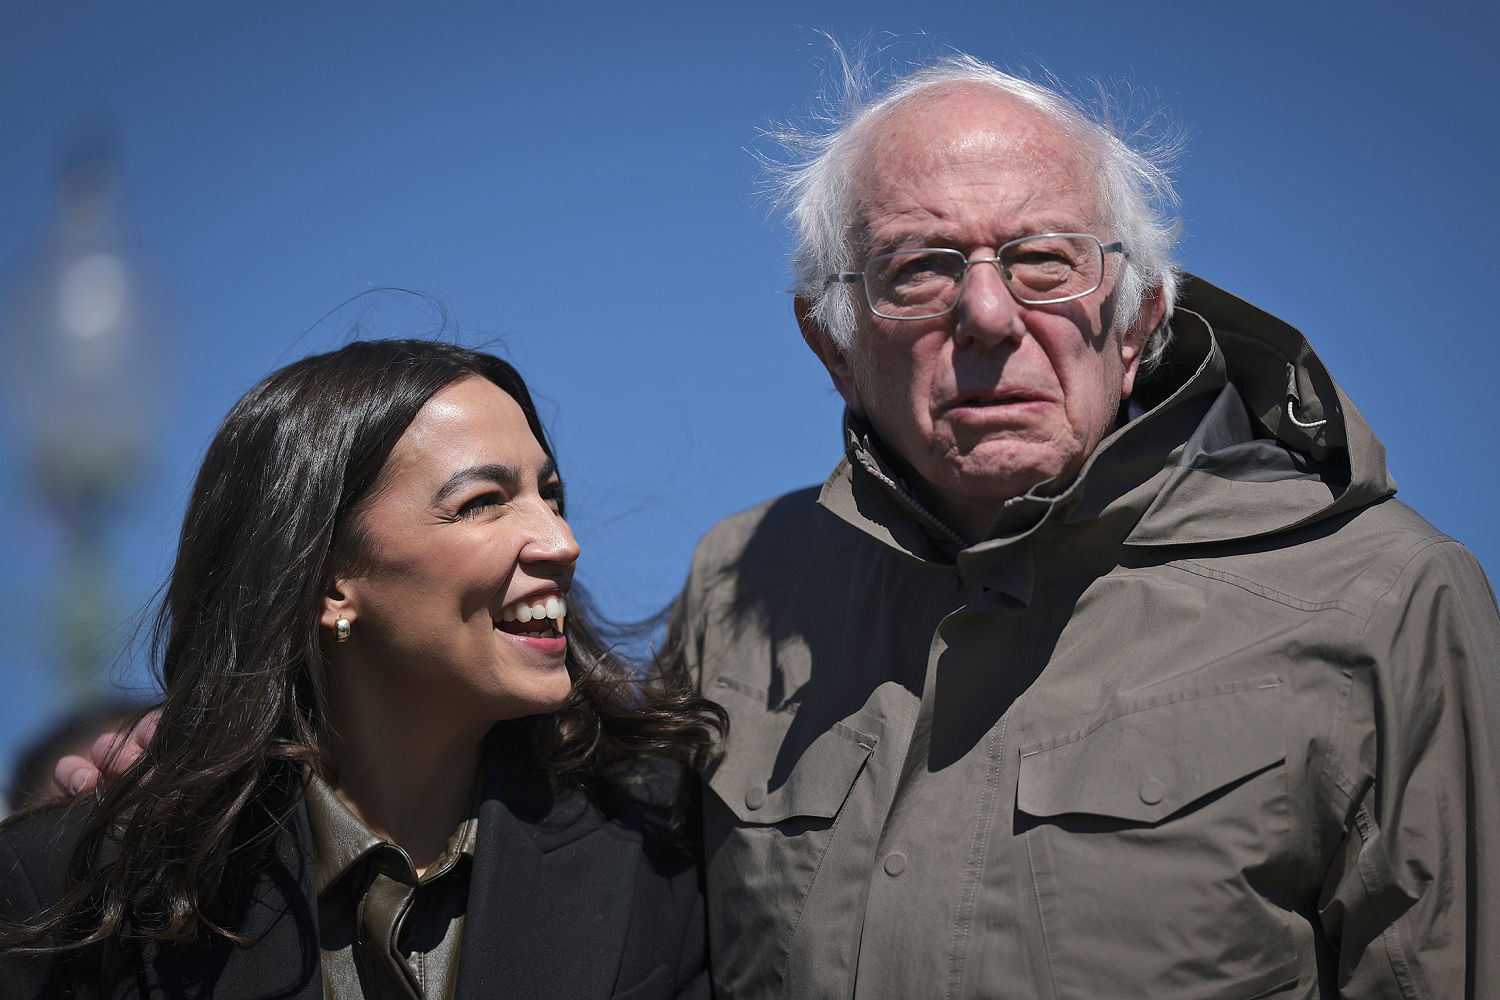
{"points": [[464, 526], [388, 727]]}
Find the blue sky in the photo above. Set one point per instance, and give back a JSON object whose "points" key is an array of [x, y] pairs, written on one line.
{"points": [[578, 187]]}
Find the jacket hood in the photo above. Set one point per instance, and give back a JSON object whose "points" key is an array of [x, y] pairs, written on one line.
{"points": [[1281, 446], [1244, 434]]}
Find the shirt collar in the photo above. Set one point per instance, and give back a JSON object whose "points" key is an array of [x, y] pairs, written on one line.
{"points": [[340, 840]]}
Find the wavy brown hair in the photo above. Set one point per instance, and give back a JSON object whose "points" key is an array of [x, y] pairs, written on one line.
{"points": [[275, 511]]}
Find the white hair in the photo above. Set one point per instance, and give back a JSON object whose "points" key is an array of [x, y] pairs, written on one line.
{"points": [[818, 186]]}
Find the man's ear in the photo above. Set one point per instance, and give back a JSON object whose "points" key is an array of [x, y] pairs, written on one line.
{"points": [[1133, 343], [828, 352]]}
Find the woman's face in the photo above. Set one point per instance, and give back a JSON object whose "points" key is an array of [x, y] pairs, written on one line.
{"points": [[462, 532]]}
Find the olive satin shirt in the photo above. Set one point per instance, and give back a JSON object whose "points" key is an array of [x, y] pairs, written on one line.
{"points": [[384, 932]]}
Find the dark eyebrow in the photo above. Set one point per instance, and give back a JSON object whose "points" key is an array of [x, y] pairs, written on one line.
{"points": [[507, 477]]}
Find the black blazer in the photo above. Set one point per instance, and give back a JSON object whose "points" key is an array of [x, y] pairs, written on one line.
{"points": [[565, 903]]}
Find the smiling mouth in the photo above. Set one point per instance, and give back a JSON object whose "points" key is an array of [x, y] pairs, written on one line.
{"points": [[544, 629], [534, 618]]}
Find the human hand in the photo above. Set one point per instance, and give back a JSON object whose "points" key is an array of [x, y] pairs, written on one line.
{"points": [[112, 755]]}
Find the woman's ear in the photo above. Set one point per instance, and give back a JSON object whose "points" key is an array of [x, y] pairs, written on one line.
{"points": [[338, 603]]}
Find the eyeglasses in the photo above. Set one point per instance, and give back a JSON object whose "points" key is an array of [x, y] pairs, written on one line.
{"points": [[925, 283]]}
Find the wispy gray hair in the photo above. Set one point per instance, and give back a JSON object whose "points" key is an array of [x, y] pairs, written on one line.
{"points": [[816, 186]]}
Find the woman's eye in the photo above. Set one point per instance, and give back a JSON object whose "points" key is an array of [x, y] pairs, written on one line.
{"points": [[552, 493], [479, 503]]}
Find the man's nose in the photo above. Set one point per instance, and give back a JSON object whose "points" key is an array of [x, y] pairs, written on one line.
{"points": [[986, 311]]}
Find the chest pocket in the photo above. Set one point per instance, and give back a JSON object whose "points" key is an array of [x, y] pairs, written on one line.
{"points": [[1150, 762], [784, 764], [1153, 836], [770, 814], [814, 789]]}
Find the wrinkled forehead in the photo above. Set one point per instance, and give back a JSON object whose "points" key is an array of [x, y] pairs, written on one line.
{"points": [[971, 136]]}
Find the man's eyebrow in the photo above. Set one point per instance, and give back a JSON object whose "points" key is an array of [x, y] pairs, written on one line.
{"points": [[918, 237], [910, 241]]}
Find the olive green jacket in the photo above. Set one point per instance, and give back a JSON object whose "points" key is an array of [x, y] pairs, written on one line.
{"points": [[1220, 719]]}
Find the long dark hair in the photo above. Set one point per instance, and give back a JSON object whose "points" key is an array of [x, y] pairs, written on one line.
{"points": [[274, 512]]}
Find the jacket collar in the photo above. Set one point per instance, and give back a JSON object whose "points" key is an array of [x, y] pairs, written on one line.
{"points": [[1289, 450], [538, 849]]}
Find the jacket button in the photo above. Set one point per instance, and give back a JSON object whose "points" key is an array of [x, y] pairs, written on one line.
{"points": [[895, 863], [1152, 791], [755, 798]]}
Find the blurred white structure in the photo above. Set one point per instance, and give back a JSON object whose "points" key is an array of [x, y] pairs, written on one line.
{"points": [[81, 375]]}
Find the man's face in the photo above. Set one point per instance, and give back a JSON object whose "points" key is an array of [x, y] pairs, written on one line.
{"points": [[994, 397]]}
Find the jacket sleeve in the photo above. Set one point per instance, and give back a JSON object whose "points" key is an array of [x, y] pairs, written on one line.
{"points": [[1412, 900]]}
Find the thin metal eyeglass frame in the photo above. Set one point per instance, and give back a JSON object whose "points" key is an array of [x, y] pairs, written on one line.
{"points": [[851, 277]]}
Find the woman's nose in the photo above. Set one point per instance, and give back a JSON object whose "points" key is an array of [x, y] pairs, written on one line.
{"points": [[551, 540]]}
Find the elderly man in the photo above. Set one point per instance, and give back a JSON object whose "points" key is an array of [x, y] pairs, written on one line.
{"points": [[1103, 665]]}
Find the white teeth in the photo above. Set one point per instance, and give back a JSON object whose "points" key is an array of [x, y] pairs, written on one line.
{"points": [[523, 611]]}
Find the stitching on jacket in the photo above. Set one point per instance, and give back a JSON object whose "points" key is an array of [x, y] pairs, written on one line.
{"points": [[1177, 697], [1390, 936], [1365, 824], [748, 690], [911, 502], [1333, 767], [974, 867], [1417, 551], [1269, 593], [1041, 915]]}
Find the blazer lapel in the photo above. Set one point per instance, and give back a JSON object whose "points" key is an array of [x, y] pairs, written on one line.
{"points": [[550, 900], [280, 923]]}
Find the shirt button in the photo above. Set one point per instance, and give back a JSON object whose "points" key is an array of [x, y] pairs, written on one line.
{"points": [[895, 863], [755, 798], [1152, 790]]}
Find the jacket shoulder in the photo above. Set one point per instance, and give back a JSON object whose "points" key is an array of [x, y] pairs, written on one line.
{"points": [[768, 544], [35, 849], [1353, 561]]}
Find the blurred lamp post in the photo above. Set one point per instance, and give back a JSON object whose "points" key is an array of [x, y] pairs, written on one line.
{"points": [[80, 353]]}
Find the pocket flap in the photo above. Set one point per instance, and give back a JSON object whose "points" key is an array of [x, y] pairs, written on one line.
{"points": [[1150, 761], [816, 786]]}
